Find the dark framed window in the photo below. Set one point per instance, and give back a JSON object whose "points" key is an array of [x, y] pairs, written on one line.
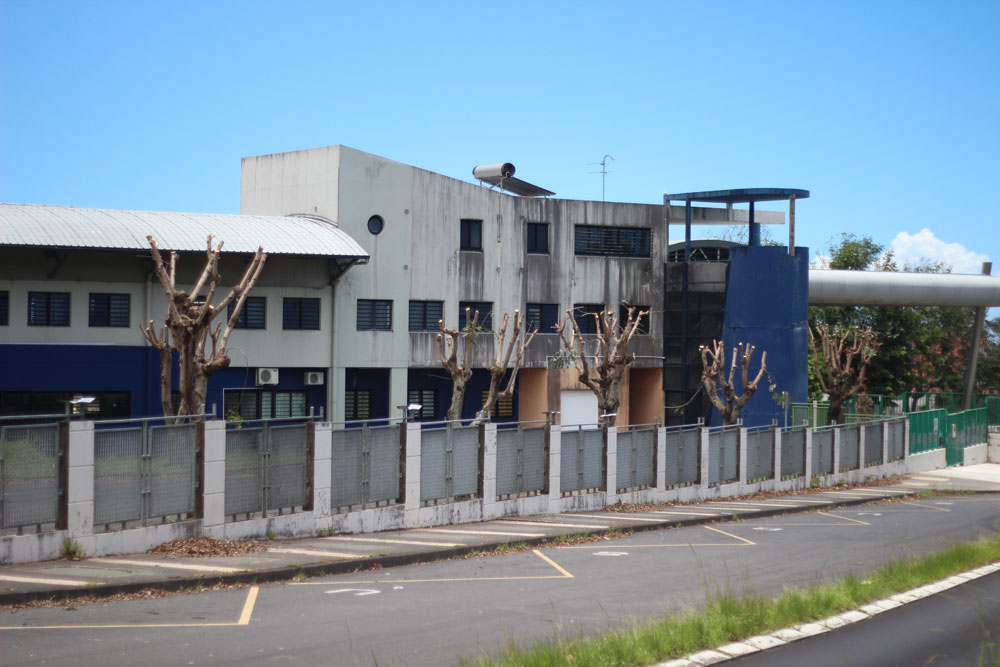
{"points": [[282, 404], [253, 315], [643, 319], [538, 238], [241, 403], [4, 308], [48, 309], [471, 234], [426, 399], [424, 315], [613, 241], [586, 315], [374, 315], [503, 408], [485, 309], [109, 310], [299, 313], [357, 404], [542, 317], [105, 404], [376, 224]]}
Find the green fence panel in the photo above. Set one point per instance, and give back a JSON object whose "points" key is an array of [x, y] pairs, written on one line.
{"points": [[992, 404], [927, 430]]}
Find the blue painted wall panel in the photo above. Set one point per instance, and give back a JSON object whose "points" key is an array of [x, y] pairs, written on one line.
{"points": [[767, 305]]}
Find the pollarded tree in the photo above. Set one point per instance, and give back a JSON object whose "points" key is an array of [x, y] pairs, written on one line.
{"points": [[188, 327], [609, 350], [842, 355], [714, 378], [448, 343]]}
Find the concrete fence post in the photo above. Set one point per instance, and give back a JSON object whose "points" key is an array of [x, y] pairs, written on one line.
{"points": [[322, 469], [490, 471], [611, 464], [808, 458], [776, 430], [411, 503], [861, 453], [661, 460], [80, 484], [885, 442], [555, 450], [704, 449], [214, 486], [836, 450], [742, 436]]}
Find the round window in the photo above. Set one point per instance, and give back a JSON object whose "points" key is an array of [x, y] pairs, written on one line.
{"points": [[375, 224]]}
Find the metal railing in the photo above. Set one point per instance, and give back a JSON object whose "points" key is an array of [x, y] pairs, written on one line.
{"points": [[267, 467], [635, 462], [449, 462], [365, 467], [522, 460], [30, 489], [582, 459]]}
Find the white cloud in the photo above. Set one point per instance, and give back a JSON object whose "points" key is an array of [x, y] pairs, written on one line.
{"points": [[820, 261], [924, 245]]}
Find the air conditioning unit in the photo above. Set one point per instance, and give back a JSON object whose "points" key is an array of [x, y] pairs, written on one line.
{"points": [[314, 377], [267, 376]]}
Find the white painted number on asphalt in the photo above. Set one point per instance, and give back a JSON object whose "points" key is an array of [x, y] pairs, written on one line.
{"points": [[358, 592], [611, 553]]}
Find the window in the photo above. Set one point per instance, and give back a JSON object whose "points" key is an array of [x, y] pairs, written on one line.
{"points": [[538, 237], [376, 224], [542, 317], [357, 404], [48, 309], [643, 320], [106, 404], [109, 310], [4, 307], [241, 403], [424, 315], [253, 315], [282, 404], [586, 316], [300, 313], [425, 398], [472, 235], [503, 408], [374, 315], [613, 241], [485, 309]]}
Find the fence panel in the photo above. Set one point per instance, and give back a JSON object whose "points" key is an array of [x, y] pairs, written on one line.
{"points": [[849, 444], [793, 451], [581, 467], [873, 443], [347, 473], [383, 472], [897, 444], [822, 445], [288, 484], [118, 486], [760, 454], [433, 475], [636, 459], [29, 485], [683, 457], [993, 412], [465, 461], [927, 430], [244, 471], [520, 461], [723, 455], [172, 470]]}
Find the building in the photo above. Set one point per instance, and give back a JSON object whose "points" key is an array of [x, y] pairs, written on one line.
{"points": [[76, 284]]}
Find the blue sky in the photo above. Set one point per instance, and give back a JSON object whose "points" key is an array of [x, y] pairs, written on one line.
{"points": [[887, 111]]}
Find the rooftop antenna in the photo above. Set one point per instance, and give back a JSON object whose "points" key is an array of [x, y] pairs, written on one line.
{"points": [[603, 171]]}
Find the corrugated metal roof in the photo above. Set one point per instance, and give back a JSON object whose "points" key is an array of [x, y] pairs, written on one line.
{"points": [[36, 225]]}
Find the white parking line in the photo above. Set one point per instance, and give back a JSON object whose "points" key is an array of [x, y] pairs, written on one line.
{"points": [[689, 513], [317, 552], [480, 532], [40, 580], [551, 524], [169, 566], [387, 541], [618, 517]]}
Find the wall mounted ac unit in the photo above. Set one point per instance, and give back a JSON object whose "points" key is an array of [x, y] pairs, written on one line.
{"points": [[267, 376], [314, 377]]}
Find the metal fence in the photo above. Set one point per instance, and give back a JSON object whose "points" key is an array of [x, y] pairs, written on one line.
{"points": [[29, 477], [822, 451], [683, 456], [267, 468], [897, 439], [636, 458], [522, 461], [849, 448], [449, 464], [992, 405], [144, 472], [927, 430], [581, 460], [873, 443], [365, 467], [760, 454], [793, 452], [723, 454]]}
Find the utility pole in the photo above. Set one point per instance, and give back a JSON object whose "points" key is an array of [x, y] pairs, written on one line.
{"points": [[603, 164]]}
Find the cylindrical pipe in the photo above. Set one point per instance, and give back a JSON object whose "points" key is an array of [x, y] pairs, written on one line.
{"points": [[885, 288]]}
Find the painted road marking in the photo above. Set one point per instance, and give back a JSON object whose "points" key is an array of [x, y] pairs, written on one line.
{"points": [[563, 574], [244, 620], [742, 542], [40, 580], [690, 513], [553, 524], [611, 553], [317, 552], [169, 566], [387, 541], [479, 532], [358, 592], [919, 484], [929, 478], [616, 517], [734, 505], [848, 521]]}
